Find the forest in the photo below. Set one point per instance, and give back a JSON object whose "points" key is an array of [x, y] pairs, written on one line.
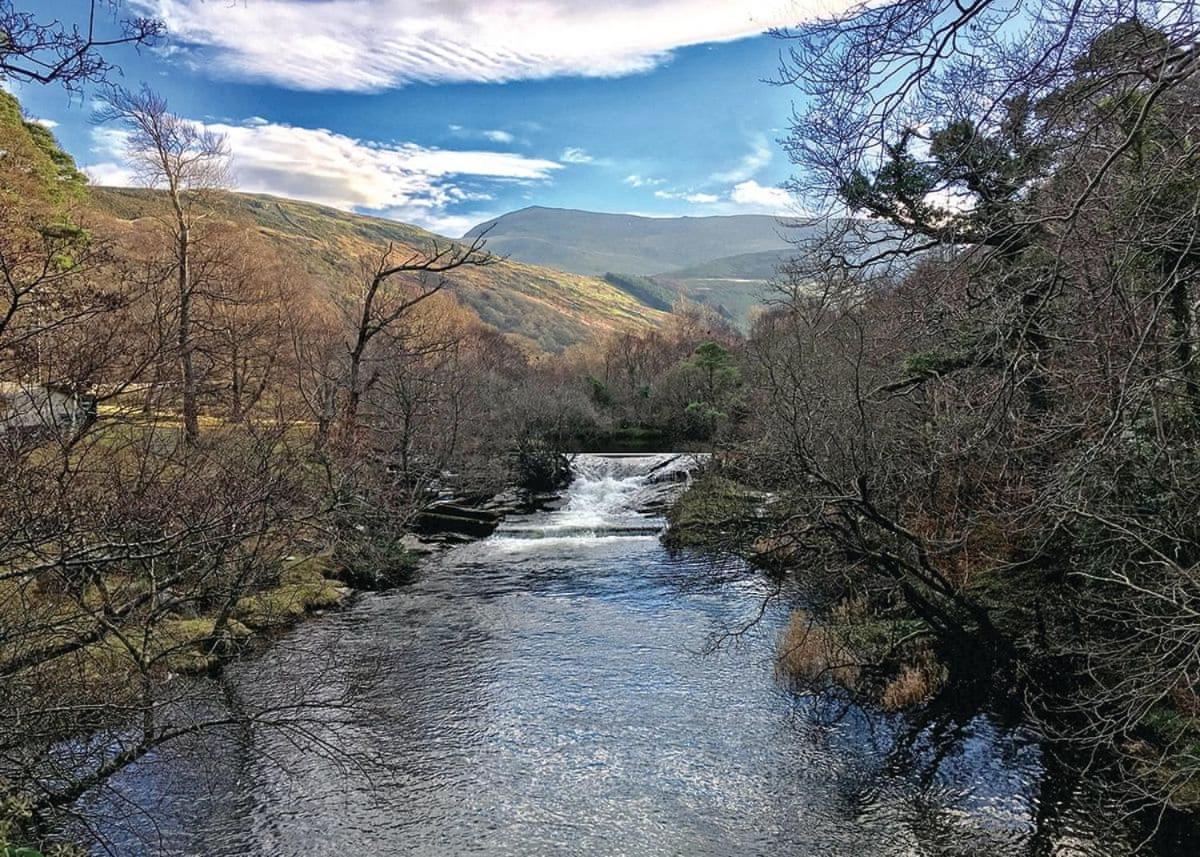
{"points": [[965, 420]]}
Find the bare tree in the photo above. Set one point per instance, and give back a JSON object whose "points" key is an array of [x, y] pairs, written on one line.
{"points": [[34, 49], [984, 373], [397, 283], [188, 162]]}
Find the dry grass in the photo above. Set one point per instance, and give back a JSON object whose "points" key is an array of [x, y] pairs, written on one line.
{"points": [[916, 683], [910, 688], [811, 654]]}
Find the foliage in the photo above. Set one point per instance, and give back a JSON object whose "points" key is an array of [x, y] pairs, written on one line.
{"points": [[644, 289], [540, 466], [31, 149], [987, 423]]}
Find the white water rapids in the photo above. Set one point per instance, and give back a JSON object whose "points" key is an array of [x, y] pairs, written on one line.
{"points": [[603, 501]]}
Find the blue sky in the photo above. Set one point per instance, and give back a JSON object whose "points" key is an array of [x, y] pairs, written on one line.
{"points": [[448, 112]]}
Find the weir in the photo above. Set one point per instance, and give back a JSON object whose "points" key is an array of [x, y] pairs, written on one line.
{"points": [[606, 499]]}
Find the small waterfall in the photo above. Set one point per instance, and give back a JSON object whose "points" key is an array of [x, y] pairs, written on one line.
{"points": [[605, 500]]}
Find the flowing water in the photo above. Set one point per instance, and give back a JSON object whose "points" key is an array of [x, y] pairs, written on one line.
{"points": [[567, 686]]}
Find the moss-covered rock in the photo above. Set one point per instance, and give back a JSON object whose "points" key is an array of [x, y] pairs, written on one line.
{"points": [[715, 513], [285, 604]]}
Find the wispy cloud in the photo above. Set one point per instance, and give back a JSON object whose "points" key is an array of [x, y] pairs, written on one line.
{"points": [[408, 181], [636, 180], [49, 124], [759, 156], [575, 155], [499, 136], [688, 196], [370, 45]]}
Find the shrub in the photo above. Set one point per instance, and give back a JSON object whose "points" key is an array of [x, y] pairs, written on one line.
{"points": [[810, 654]]}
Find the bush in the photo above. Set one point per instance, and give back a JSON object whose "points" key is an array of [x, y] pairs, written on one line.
{"points": [[538, 466], [811, 654]]}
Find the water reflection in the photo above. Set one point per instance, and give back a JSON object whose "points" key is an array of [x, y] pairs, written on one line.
{"points": [[554, 690]]}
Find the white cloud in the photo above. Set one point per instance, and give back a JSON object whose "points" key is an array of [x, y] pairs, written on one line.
{"points": [[49, 124], [110, 174], [450, 225], [408, 181], [575, 155], [492, 135], [636, 180], [109, 140], [323, 166], [686, 196], [759, 156], [769, 200], [370, 45]]}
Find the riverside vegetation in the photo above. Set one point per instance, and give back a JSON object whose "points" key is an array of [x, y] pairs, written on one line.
{"points": [[971, 421], [966, 424]]}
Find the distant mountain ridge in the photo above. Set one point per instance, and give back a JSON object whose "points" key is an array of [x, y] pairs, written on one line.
{"points": [[588, 242], [550, 308]]}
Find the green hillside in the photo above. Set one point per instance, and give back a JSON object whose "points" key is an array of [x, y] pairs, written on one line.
{"points": [[588, 242], [551, 308], [646, 290], [737, 300], [734, 285], [761, 265], [34, 166]]}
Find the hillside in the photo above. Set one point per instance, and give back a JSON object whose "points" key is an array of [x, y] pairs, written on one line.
{"points": [[551, 308], [586, 242], [734, 285], [761, 265], [33, 168]]}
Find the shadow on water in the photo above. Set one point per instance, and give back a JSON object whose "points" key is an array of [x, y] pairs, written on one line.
{"points": [[554, 689]]}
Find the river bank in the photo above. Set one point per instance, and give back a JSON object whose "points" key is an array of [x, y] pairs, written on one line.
{"points": [[881, 655], [313, 584]]}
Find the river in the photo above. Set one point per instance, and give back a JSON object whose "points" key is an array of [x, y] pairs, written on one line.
{"points": [[567, 686]]}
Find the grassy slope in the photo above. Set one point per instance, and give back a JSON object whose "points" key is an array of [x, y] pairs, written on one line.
{"points": [[34, 169], [760, 265], [736, 299], [593, 243], [551, 308], [650, 292], [738, 284]]}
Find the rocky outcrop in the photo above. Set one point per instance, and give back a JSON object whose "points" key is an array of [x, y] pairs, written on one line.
{"points": [[444, 517]]}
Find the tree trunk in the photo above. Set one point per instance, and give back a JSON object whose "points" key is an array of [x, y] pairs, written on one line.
{"points": [[1181, 324], [235, 385], [191, 421], [354, 394]]}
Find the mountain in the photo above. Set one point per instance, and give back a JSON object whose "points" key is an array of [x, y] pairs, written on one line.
{"points": [[551, 308], [587, 242], [724, 262]]}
